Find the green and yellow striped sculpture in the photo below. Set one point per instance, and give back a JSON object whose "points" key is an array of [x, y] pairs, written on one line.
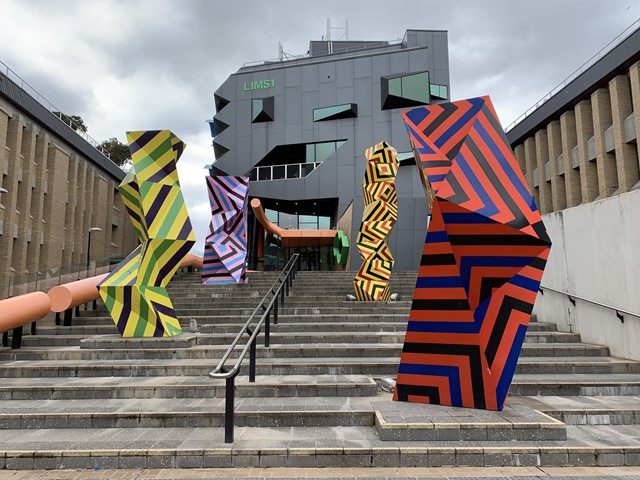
{"points": [[380, 214], [135, 292]]}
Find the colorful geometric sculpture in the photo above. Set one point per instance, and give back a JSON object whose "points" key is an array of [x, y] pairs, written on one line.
{"points": [[225, 247], [482, 263], [380, 214], [135, 292]]}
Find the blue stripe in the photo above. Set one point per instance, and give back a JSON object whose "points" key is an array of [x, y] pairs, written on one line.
{"points": [[504, 383], [436, 178], [525, 282], [452, 373], [417, 115], [466, 218], [422, 149], [437, 237], [476, 105], [443, 327], [489, 208], [439, 282], [516, 180]]}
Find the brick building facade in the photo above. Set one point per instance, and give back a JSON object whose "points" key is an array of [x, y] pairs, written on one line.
{"points": [[58, 187], [581, 145]]}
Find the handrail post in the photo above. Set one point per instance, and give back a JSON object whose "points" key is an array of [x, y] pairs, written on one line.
{"points": [[267, 327], [67, 317], [252, 361], [230, 393], [282, 297], [16, 338], [275, 312]]}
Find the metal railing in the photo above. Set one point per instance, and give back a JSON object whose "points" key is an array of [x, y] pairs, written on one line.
{"points": [[278, 291], [55, 111], [581, 69], [620, 313], [282, 172]]}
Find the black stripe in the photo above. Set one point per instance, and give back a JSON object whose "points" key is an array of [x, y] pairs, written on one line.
{"points": [[487, 284], [459, 196], [440, 304], [494, 239], [448, 110], [495, 182], [470, 351], [438, 259], [538, 227], [432, 393], [538, 263], [508, 305]]}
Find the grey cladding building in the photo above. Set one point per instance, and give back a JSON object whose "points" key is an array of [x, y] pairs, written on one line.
{"points": [[299, 128]]}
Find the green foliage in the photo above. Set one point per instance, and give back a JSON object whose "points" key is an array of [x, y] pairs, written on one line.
{"points": [[74, 121], [118, 151]]}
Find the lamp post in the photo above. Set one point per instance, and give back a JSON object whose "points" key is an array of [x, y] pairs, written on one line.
{"points": [[92, 229]]}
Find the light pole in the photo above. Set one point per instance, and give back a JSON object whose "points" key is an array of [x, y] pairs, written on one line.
{"points": [[92, 229]]}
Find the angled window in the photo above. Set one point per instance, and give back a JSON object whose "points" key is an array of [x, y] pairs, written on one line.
{"points": [[217, 127], [219, 150], [262, 110], [403, 91], [220, 102], [439, 91], [347, 110]]}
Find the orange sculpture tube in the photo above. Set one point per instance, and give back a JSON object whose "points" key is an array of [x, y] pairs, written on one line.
{"points": [[18, 311]]}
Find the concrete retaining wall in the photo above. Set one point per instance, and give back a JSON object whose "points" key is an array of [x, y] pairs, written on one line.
{"points": [[596, 255]]}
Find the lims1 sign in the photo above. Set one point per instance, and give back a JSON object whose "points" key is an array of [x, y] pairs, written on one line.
{"points": [[259, 84]]}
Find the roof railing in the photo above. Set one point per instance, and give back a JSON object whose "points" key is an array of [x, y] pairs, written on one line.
{"points": [[56, 112], [579, 71]]}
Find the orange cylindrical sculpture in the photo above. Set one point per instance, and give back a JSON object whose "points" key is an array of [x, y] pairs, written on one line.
{"points": [[18, 311], [75, 293]]}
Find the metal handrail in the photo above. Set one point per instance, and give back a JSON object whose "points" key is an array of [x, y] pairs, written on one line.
{"points": [[56, 112], [577, 72], [279, 289], [620, 313]]}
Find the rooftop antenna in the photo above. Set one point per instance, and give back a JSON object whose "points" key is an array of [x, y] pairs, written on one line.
{"points": [[280, 52], [345, 30]]}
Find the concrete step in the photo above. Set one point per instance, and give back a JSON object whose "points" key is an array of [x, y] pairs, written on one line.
{"points": [[283, 318], [394, 421], [277, 337], [187, 412], [296, 447], [120, 352], [56, 388], [586, 410], [104, 328], [49, 388], [376, 366]]}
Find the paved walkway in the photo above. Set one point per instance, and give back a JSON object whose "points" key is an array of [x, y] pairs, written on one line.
{"points": [[520, 473]]}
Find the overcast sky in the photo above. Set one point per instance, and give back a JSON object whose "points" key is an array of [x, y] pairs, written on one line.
{"points": [[154, 64]]}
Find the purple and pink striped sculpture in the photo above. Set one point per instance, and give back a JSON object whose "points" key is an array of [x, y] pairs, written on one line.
{"points": [[225, 248]]}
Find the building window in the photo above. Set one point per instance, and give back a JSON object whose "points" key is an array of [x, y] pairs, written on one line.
{"points": [[262, 110], [439, 91], [347, 110], [405, 90]]}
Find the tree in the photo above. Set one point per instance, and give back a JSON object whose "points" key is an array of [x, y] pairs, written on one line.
{"points": [[74, 121], [118, 152]]}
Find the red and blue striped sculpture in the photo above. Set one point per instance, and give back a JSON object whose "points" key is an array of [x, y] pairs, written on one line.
{"points": [[225, 248], [482, 263]]}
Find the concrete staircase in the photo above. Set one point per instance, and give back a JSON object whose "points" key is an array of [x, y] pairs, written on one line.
{"points": [[83, 397]]}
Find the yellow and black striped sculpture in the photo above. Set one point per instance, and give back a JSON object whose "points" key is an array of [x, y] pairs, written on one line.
{"points": [[380, 214], [135, 292]]}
